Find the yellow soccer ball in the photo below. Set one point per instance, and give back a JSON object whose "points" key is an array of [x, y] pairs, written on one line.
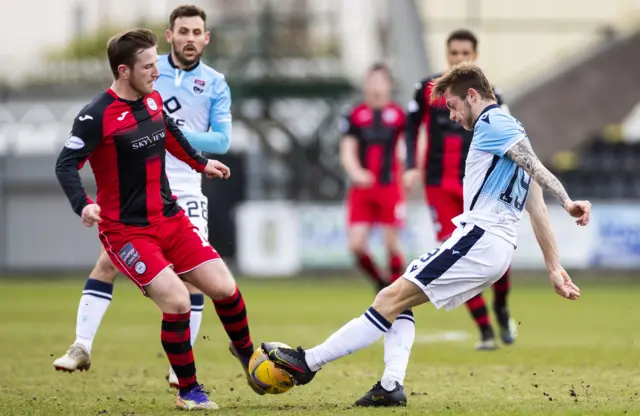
{"points": [[267, 376]]}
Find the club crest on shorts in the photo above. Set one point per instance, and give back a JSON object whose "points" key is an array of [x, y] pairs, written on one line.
{"points": [[128, 254], [140, 267], [198, 86]]}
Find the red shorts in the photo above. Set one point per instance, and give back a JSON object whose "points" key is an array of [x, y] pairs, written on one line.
{"points": [[141, 253], [444, 204], [377, 205]]}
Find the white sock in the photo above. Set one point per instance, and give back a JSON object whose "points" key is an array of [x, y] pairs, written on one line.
{"points": [[397, 348], [355, 335], [197, 306], [96, 298]]}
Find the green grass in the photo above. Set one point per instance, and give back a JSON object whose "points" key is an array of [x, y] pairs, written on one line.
{"points": [[589, 347]]}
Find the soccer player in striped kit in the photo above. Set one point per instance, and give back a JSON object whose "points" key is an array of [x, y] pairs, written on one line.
{"points": [[197, 99], [369, 154]]}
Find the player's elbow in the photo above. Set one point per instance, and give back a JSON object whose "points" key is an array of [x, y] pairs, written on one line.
{"points": [[346, 161], [342, 157], [222, 132], [348, 151], [537, 208], [539, 211], [62, 169], [411, 129], [225, 143], [220, 145]]}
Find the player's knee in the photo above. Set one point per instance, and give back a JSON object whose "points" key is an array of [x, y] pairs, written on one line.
{"points": [[393, 247], [104, 270], [392, 240], [226, 288], [222, 284], [357, 240], [184, 305], [388, 302], [179, 305], [179, 302], [357, 247]]}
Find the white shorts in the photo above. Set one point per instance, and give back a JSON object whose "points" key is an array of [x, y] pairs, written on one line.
{"points": [[464, 265], [197, 210]]}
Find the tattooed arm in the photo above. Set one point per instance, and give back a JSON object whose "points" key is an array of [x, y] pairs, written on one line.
{"points": [[523, 155]]}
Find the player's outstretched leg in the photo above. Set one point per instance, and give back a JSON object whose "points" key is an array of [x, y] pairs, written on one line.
{"points": [[94, 302], [478, 309], [355, 335], [508, 327], [197, 306], [172, 297], [215, 280], [398, 341]]}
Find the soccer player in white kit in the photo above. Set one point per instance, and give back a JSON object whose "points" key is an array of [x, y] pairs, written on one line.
{"points": [[198, 99], [503, 175]]}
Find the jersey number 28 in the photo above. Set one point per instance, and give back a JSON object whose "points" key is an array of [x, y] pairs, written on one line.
{"points": [[516, 192]]}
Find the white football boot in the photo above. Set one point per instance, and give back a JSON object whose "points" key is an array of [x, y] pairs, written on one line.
{"points": [[76, 358]]}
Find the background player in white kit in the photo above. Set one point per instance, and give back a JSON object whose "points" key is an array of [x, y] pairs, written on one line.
{"points": [[198, 99], [499, 169]]}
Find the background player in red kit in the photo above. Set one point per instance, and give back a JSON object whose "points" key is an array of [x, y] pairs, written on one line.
{"points": [[123, 133], [368, 153], [447, 148]]}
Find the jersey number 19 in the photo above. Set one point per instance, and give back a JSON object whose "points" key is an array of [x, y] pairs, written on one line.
{"points": [[518, 185]]}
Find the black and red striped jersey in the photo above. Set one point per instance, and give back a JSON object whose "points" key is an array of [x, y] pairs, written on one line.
{"points": [[125, 142], [448, 142], [377, 132]]}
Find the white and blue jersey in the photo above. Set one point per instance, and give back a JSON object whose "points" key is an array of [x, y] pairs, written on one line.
{"points": [[495, 193], [495, 188], [198, 100]]}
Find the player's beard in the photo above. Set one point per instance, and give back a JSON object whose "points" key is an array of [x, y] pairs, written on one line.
{"points": [[184, 60], [468, 121], [140, 86]]}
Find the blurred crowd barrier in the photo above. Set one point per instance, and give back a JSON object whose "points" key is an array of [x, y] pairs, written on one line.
{"points": [[280, 238], [39, 233]]}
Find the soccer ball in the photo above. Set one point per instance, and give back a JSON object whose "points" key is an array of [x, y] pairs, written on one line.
{"points": [[266, 375]]}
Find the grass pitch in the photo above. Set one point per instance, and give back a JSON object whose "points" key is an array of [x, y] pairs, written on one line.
{"points": [[571, 358]]}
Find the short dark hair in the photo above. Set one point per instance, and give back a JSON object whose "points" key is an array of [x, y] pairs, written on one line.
{"points": [[380, 67], [463, 34], [459, 79], [186, 10], [123, 48]]}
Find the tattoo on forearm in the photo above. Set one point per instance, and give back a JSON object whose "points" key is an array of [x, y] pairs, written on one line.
{"points": [[523, 155]]}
